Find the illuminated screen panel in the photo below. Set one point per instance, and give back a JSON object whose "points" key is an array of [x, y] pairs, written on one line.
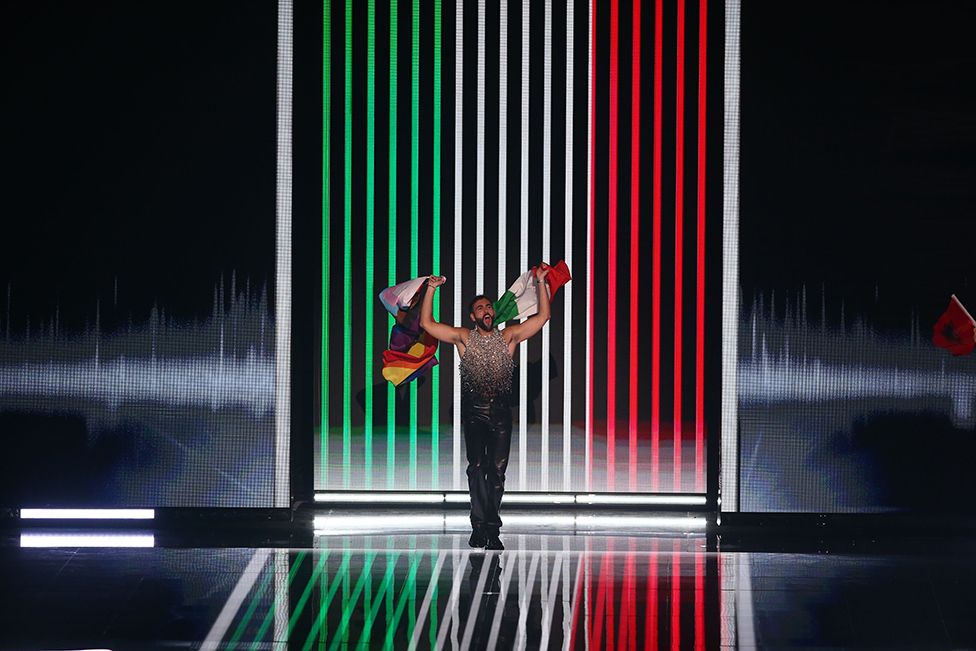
{"points": [[855, 229], [476, 140], [143, 326]]}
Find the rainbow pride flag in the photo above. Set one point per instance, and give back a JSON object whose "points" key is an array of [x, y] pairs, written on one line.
{"points": [[412, 351]]}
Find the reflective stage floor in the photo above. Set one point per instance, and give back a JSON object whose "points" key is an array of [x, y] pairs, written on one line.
{"points": [[374, 580]]}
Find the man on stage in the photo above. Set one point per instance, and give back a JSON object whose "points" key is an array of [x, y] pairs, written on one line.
{"points": [[486, 355]]}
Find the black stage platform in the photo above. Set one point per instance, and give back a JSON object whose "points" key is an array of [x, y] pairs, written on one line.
{"points": [[407, 579]]}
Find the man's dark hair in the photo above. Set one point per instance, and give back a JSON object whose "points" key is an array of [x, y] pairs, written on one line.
{"points": [[475, 300]]}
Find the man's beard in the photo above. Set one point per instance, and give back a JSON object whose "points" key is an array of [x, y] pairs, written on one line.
{"points": [[487, 327]]}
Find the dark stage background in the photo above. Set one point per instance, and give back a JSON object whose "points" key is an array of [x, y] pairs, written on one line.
{"points": [[857, 223], [137, 256]]}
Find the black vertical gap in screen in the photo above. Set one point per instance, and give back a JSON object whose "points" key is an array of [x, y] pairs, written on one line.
{"points": [[536, 106], [381, 197], [581, 202], [601, 155], [624, 217], [469, 158], [445, 295], [403, 162], [668, 99], [491, 149], [425, 237], [558, 323], [358, 217], [514, 238]]}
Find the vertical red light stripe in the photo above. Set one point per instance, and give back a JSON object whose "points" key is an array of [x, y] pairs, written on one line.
{"points": [[656, 251], [652, 608], [611, 593], [612, 254], [634, 238], [592, 249], [699, 602], [676, 597], [679, 218], [601, 602], [700, 273]]}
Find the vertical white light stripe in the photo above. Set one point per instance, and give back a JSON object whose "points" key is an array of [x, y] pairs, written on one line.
{"points": [[525, 600], [570, 605], [568, 257], [282, 492], [428, 597], [476, 598], [234, 601], [524, 246], [549, 602], [281, 613], [496, 622], [588, 438], [479, 265], [546, 218], [458, 182], [502, 145], [729, 464], [453, 602]]}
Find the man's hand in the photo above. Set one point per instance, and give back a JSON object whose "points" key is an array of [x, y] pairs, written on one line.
{"points": [[541, 273], [436, 281]]}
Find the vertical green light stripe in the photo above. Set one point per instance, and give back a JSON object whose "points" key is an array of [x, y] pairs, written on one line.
{"points": [[370, 617], [249, 613], [347, 263], [435, 380], [432, 635], [269, 616], [370, 225], [349, 604], [394, 622], [326, 244], [322, 621], [414, 204], [307, 592], [391, 239]]}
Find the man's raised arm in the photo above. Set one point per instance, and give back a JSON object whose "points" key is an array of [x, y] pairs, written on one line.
{"points": [[522, 331], [439, 331]]}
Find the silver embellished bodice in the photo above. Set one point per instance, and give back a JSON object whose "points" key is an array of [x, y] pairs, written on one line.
{"points": [[486, 368]]}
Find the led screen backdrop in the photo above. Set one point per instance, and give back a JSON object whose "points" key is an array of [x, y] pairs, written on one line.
{"points": [[857, 208], [474, 140], [137, 264]]}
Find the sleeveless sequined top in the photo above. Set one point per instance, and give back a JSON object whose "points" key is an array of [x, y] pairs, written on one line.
{"points": [[486, 368]]}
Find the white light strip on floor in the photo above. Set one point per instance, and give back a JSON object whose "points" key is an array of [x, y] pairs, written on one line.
{"points": [[643, 522], [87, 514], [331, 524], [650, 500], [381, 498], [347, 524], [86, 540], [513, 498]]}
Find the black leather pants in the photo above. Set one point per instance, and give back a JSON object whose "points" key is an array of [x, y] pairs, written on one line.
{"points": [[487, 440]]}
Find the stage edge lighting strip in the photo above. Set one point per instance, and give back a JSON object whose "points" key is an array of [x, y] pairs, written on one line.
{"points": [[392, 238], [728, 489], [87, 514], [40, 540], [458, 221], [282, 493], [612, 250], [524, 245], [634, 243], [546, 220], [568, 253], [700, 275], [656, 250], [603, 499]]}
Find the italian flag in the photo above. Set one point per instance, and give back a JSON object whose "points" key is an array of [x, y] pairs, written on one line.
{"points": [[521, 300]]}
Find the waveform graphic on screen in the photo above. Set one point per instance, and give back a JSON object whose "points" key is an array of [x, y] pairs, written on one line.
{"points": [[833, 414], [165, 399]]}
